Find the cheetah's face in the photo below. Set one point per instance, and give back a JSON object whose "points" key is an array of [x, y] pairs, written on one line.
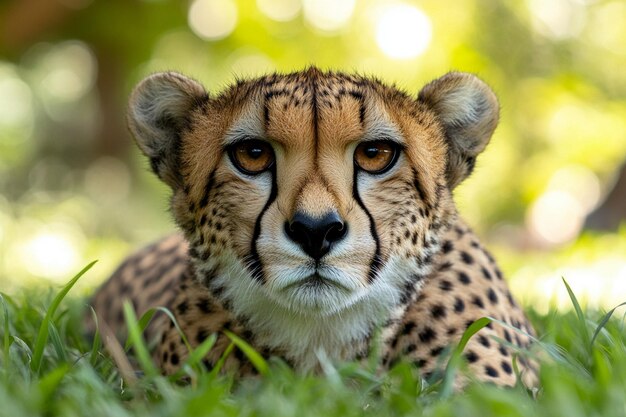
{"points": [[312, 191]]}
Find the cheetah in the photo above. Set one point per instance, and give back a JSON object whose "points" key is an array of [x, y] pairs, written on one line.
{"points": [[317, 223]]}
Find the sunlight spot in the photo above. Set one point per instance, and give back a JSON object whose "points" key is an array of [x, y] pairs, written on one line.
{"points": [[557, 19], [51, 253], [212, 19], [403, 32], [328, 15], [279, 10], [579, 182], [16, 105], [70, 71], [555, 218], [601, 284]]}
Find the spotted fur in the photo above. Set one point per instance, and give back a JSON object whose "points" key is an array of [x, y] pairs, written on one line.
{"points": [[408, 268]]}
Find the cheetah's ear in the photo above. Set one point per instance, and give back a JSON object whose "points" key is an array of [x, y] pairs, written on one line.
{"points": [[468, 111], [158, 111]]}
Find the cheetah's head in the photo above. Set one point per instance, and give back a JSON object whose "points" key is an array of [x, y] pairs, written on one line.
{"points": [[312, 192]]}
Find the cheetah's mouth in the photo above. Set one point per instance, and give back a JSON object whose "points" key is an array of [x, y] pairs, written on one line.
{"points": [[316, 282]]}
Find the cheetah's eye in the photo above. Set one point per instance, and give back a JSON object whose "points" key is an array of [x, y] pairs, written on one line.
{"points": [[252, 156], [376, 157]]}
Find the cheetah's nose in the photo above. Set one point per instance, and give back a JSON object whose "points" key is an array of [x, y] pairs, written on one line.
{"points": [[316, 235]]}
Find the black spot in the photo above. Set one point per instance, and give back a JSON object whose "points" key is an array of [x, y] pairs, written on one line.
{"points": [[491, 294], [182, 307], [410, 348], [427, 335], [166, 356], [207, 364], [491, 371], [434, 352], [498, 273], [507, 336], [506, 367], [459, 305], [438, 311], [240, 355], [511, 300], [414, 238], [447, 246], [445, 285], [203, 219], [420, 363], [478, 302], [204, 305], [413, 218], [201, 335], [471, 356], [503, 350], [445, 266], [486, 273], [451, 331], [467, 258], [483, 340], [407, 234], [174, 359], [408, 327], [464, 278]]}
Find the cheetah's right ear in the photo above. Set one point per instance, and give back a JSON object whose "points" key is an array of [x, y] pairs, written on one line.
{"points": [[468, 111], [158, 111]]}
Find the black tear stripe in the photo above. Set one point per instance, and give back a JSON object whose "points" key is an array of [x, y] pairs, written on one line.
{"points": [[376, 259], [207, 190], [256, 266]]}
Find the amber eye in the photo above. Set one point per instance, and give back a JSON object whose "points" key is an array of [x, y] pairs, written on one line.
{"points": [[376, 157], [252, 156]]}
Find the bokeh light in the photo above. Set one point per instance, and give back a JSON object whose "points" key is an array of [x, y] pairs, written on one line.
{"points": [[212, 19], [328, 15], [16, 107], [403, 31], [52, 251], [280, 10], [558, 19]]}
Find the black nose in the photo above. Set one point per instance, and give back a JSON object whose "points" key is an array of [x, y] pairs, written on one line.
{"points": [[316, 235]]}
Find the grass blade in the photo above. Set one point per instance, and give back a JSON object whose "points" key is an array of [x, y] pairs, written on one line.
{"points": [[220, 363], [603, 323], [42, 336], [455, 359], [579, 313], [142, 324], [134, 335], [50, 382], [255, 358], [196, 356], [57, 343], [6, 345]]}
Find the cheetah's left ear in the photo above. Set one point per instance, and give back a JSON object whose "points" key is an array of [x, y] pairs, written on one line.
{"points": [[468, 111]]}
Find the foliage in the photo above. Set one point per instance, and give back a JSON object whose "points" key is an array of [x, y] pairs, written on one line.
{"points": [[68, 168], [579, 377]]}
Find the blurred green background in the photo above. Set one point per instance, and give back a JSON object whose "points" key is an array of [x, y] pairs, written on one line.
{"points": [[73, 187]]}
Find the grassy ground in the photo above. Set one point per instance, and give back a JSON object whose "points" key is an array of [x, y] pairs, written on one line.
{"points": [[48, 368]]}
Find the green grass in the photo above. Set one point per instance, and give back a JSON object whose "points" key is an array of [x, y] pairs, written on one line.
{"points": [[48, 367]]}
